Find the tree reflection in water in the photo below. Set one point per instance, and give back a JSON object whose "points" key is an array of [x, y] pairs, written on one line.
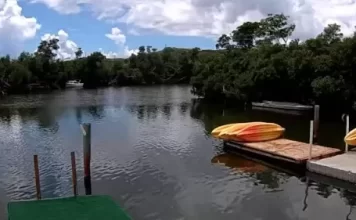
{"points": [[263, 175]]}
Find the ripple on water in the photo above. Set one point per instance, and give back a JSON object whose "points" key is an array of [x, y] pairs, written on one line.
{"points": [[152, 154]]}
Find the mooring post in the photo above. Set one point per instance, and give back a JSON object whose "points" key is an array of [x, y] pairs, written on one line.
{"points": [[86, 128], [347, 131], [306, 194], [74, 174], [311, 139], [37, 177], [316, 122]]}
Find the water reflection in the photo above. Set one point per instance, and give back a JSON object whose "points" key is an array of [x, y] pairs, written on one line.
{"points": [[262, 174], [271, 179], [328, 187], [238, 163], [97, 112], [153, 154]]}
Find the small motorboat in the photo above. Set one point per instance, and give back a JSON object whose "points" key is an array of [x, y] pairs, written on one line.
{"points": [[249, 132], [74, 84], [350, 138]]}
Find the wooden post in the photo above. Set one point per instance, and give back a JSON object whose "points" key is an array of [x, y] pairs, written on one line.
{"points": [[347, 131], [86, 128], [74, 174], [37, 177], [311, 139], [316, 122]]}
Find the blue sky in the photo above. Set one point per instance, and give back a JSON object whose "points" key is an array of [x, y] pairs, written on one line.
{"points": [[119, 27], [89, 33]]}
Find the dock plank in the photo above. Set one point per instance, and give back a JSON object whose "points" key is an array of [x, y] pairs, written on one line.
{"points": [[342, 166], [285, 149]]}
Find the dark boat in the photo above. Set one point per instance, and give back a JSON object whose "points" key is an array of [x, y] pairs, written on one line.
{"points": [[282, 107]]}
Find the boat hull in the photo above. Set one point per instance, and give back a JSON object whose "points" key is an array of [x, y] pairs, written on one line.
{"points": [[77, 85], [282, 106]]}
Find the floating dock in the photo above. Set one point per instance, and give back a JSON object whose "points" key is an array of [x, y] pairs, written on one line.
{"points": [[78, 208], [342, 166], [285, 150]]}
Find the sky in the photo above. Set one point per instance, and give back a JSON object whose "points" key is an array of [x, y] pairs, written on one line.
{"points": [[118, 27]]}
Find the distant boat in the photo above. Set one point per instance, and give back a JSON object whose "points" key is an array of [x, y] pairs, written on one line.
{"points": [[74, 84], [281, 106]]}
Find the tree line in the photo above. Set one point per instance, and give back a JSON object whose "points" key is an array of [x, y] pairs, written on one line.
{"points": [[43, 71], [261, 62], [256, 61]]}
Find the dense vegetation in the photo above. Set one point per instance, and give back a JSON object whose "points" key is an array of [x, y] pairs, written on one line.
{"points": [[260, 62], [257, 61], [42, 70]]}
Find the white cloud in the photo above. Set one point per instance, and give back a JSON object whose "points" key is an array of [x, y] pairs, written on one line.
{"points": [[67, 48], [128, 52], [62, 6], [117, 36], [211, 18], [110, 54], [120, 54], [134, 32], [15, 28]]}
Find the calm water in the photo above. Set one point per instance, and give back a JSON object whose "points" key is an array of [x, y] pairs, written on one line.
{"points": [[152, 153]]}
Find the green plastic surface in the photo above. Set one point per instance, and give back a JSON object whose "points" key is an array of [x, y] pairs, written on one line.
{"points": [[73, 208]]}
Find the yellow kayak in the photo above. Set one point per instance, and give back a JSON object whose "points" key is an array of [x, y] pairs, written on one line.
{"points": [[216, 131], [224, 129], [249, 132], [350, 138]]}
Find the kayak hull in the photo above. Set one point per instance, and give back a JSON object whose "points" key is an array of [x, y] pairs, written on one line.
{"points": [[249, 132], [350, 138]]}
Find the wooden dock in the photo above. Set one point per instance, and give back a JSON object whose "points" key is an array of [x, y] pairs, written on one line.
{"points": [[342, 166], [326, 161], [285, 150]]}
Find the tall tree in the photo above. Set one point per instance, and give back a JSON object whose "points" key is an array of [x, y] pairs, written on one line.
{"points": [[331, 34], [275, 27], [245, 35], [223, 42], [78, 53], [48, 49]]}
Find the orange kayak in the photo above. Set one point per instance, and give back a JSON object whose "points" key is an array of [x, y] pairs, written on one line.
{"points": [[249, 132], [350, 138]]}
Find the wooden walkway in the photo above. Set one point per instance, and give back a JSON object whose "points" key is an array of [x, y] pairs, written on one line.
{"points": [[285, 150]]}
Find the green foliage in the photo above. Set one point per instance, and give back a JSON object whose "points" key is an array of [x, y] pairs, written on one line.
{"points": [[275, 27], [78, 53], [256, 61], [259, 64], [19, 75], [246, 34], [47, 49]]}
